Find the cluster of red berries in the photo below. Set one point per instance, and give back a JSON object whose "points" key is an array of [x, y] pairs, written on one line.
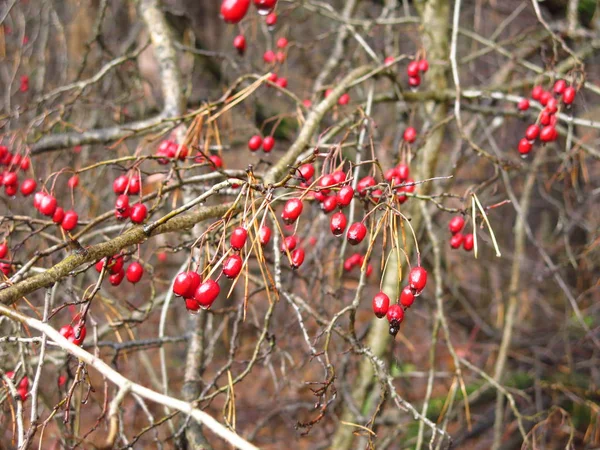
{"points": [[4, 266], [455, 226], [124, 186], [9, 177], [357, 260], [74, 334], [170, 149], [22, 387], [115, 266], [47, 205], [267, 144], [233, 11], [545, 126], [344, 99], [400, 181], [417, 279], [414, 70]]}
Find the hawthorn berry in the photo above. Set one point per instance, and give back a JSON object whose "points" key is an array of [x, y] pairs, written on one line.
{"points": [[5, 268], [325, 182], [264, 7], [423, 65], [307, 171], [532, 132], [264, 235], [548, 134], [297, 258], [48, 205], [238, 238], [216, 161], [269, 57], [381, 304], [282, 42], [568, 95], [329, 204], [239, 43], [468, 242], [364, 184], [338, 223], [402, 171], [191, 304], [206, 293], [552, 106], [116, 278], [138, 213], [58, 216], [356, 233], [456, 240], [11, 190], [69, 221], [10, 179], [410, 135], [234, 11], [525, 146], [395, 316], [134, 272], [25, 163], [120, 184], [389, 60], [536, 92], [282, 82], [232, 266], [456, 224], [28, 186], [412, 70], [186, 283], [271, 19], [545, 97], [122, 208], [289, 243], [523, 104], [344, 99], [255, 142], [135, 184], [417, 279], [3, 250], [344, 195], [559, 87], [272, 78], [414, 81], [339, 176], [407, 297], [73, 181], [292, 210], [545, 118], [268, 142]]}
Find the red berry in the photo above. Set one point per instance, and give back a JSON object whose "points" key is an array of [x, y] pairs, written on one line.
{"points": [[423, 65], [233, 11], [548, 134], [414, 81], [186, 283], [412, 70], [5, 268], [255, 142], [48, 205], [239, 42], [138, 213], [345, 195], [381, 304], [120, 184], [329, 204], [536, 93], [569, 95], [3, 250], [207, 293], [325, 182], [403, 171], [66, 331], [78, 335], [552, 106], [456, 240], [272, 77], [216, 160], [238, 238], [269, 57], [410, 135], [25, 163], [191, 304], [560, 86], [364, 184], [116, 278], [344, 99], [307, 171], [232, 266], [389, 60], [28, 186], [265, 6], [523, 104], [297, 258], [468, 242], [545, 97], [282, 82], [282, 42], [289, 243], [456, 224], [356, 233], [115, 264], [271, 19], [70, 220], [264, 235], [524, 146], [122, 209], [407, 297], [545, 118], [268, 143], [135, 184], [395, 314], [73, 181], [417, 279], [10, 179], [134, 273], [533, 131], [292, 210], [338, 223]]}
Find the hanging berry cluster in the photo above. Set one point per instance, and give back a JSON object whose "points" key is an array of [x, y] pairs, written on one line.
{"points": [[455, 226]]}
